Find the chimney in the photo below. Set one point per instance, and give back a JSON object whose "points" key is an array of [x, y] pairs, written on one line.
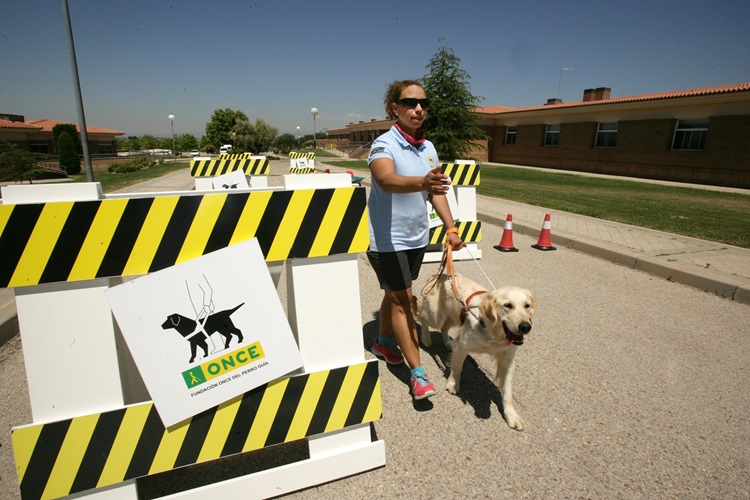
{"points": [[602, 93], [588, 95], [552, 101]]}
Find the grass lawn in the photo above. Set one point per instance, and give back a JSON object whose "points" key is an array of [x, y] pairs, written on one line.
{"points": [[113, 182], [700, 213]]}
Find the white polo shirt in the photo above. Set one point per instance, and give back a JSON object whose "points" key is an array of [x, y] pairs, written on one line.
{"points": [[398, 221]]}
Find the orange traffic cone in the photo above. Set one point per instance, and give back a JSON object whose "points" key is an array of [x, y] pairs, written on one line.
{"points": [[506, 241], [545, 242]]}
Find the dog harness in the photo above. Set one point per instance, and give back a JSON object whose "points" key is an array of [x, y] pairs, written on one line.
{"points": [[465, 310]]}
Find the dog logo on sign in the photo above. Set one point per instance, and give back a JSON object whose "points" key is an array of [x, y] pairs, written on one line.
{"points": [[198, 332]]}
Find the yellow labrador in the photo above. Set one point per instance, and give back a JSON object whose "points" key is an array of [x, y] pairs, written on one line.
{"points": [[494, 322]]}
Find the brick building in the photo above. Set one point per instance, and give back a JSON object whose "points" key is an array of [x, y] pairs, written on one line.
{"points": [[697, 136], [36, 135]]}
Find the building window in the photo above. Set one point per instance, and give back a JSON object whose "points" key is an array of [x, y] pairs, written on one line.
{"points": [[510, 135], [39, 147], [552, 135], [690, 135], [105, 148], [606, 135]]}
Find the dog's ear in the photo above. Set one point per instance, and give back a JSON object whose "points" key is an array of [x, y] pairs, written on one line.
{"points": [[489, 309], [172, 318], [532, 299]]}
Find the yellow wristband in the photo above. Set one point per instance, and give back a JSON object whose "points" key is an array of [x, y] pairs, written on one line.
{"points": [[453, 230]]}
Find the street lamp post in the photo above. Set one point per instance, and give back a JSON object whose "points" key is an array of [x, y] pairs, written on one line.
{"points": [[314, 112], [298, 147], [174, 149]]}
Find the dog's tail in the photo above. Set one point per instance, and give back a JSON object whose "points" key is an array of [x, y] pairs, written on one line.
{"points": [[230, 311]]}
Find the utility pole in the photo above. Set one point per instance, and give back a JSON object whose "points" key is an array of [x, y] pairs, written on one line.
{"points": [[79, 98]]}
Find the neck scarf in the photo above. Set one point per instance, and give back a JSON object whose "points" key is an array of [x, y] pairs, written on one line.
{"points": [[416, 142]]}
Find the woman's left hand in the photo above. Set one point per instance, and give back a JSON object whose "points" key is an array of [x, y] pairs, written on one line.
{"points": [[454, 241]]}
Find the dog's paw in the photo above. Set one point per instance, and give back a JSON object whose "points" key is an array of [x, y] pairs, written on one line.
{"points": [[514, 421], [452, 386]]}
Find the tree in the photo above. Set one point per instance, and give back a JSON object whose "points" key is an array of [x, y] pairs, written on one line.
{"points": [[223, 121], [72, 130], [69, 158], [263, 137], [256, 137], [149, 142], [187, 142], [17, 164], [450, 124], [205, 145], [284, 143]]}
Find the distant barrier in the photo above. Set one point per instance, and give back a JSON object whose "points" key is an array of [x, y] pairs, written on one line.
{"points": [[465, 177], [256, 167], [301, 163]]}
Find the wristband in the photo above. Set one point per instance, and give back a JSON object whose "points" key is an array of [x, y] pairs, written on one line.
{"points": [[453, 230]]}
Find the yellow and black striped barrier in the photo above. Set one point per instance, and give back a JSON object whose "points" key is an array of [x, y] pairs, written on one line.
{"points": [[234, 156], [462, 174], [295, 156], [93, 451], [469, 231], [306, 169], [213, 168], [72, 241]]}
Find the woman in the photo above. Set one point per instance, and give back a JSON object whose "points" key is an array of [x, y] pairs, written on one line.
{"points": [[406, 172]]}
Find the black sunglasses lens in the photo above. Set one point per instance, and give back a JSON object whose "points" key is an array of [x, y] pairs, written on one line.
{"points": [[411, 102]]}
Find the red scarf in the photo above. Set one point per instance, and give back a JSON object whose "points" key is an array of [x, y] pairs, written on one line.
{"points": [[411, 140]]}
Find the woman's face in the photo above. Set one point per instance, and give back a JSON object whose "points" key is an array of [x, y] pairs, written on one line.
{"points": [[410, 117]]}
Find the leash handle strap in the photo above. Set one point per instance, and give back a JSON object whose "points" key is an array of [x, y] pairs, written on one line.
{"points": [[450, 270]]}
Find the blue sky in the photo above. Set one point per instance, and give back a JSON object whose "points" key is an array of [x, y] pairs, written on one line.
{"points": [[139, 61]]}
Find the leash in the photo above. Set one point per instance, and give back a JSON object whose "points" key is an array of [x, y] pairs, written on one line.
{"points": [[446, 264], [480, 268]]}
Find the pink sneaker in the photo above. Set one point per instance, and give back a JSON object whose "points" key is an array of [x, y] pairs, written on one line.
{"points": [[421, 387], [388, 351]]}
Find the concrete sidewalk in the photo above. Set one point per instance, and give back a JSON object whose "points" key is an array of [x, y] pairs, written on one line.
{"points": [[713, 267]]}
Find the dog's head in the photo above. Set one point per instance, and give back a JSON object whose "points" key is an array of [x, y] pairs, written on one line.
{"points": [[172, 321], [513, 308]]}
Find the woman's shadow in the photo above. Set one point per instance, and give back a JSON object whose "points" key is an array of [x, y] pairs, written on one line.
{"points": [[476, 389]]}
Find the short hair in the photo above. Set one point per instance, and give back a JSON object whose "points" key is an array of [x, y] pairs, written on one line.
{"points": [[393, 94]]}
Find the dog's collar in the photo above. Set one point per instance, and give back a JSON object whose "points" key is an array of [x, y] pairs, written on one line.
{"points": [[465, 309]]}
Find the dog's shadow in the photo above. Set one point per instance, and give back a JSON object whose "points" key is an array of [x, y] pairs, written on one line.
{"points": [[401, 372], [476, 388]]}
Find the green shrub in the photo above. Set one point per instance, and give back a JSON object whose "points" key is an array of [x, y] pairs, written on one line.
{"points": [[69, 158], [134, 165]]}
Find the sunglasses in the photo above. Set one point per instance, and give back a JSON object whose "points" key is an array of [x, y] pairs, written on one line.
{"points": [[411, 102]]}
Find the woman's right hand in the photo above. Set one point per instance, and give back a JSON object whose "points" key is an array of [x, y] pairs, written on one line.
{"points": [[435, 182]]}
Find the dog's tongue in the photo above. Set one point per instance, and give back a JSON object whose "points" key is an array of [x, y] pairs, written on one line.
{"points": [[513, 339]]}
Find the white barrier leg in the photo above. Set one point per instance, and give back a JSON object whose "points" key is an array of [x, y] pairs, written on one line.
{"points": [[466, 197], [324, 313]]}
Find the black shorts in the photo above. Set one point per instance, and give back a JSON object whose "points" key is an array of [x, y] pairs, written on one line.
{"points": [[397, 270]]}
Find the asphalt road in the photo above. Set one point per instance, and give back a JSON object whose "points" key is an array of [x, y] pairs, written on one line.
{"points": [[630, 386]]}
